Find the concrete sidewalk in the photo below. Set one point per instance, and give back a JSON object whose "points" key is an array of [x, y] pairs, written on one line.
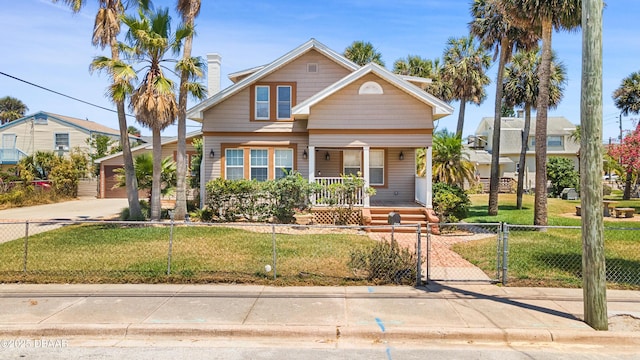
{"points": [[443, 312]]}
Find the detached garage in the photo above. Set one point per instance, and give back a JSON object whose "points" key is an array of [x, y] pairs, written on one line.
{"points": [[108, 165]]}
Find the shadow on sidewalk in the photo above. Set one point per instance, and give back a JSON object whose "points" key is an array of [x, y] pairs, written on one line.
{"points": [[436, 287]]}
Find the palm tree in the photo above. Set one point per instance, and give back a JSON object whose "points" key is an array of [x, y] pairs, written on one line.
{"points": [[11, 109], [495, 30], [627, 99], [153, 101], [464, 69], [143, 164], [190, 69], [451, 164], [105, 32], [414, 65], [362, 53], [521, 88], [544, 16]]}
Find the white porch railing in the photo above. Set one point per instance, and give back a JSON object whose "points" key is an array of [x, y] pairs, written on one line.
{"points": [[323, 196], [421, 189]]}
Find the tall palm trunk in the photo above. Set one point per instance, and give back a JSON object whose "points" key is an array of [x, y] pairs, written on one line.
{"points": [[494, 181], [463, 105], [540, 207], [181, 156], [157, 174], [135, 213], [627, 187], [523, 154]]}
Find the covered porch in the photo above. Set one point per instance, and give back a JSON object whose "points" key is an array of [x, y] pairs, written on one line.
{"points": [[391, 171]]}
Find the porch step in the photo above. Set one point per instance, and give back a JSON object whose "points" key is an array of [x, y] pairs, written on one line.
{"points": [[408, 216]]}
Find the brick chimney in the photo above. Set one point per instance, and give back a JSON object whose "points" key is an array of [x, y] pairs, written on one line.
{"points": [[213, 73]]}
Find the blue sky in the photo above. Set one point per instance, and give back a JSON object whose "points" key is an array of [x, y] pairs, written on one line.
{"points": [[46, 44]]}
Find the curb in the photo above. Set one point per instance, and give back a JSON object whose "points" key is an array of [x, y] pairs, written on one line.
{"points": [[327, 332]]}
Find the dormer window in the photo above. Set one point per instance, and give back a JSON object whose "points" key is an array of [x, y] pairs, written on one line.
{"points": [[267, 107]]}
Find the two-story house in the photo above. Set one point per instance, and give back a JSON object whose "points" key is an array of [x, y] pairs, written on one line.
{"points": [[316, 112], [559, 143], [45, 131]]}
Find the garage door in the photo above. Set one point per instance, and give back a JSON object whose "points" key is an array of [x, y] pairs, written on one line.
{"points": [[110, 191]]}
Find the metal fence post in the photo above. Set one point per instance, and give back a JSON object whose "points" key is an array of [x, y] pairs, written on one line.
{"points": [[171, 214], [428, 253], [499, 250], [273, 240], [26, 246], [505, 252], [419, 265]]}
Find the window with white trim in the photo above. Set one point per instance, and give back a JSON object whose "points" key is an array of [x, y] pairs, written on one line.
{"points": [[234, 164], [259, 164], [283, 162], [376, 167], [61, 141], [351, 160], [262, 102], [284, 102]]}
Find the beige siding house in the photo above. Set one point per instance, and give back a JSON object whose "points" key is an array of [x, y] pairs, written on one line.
{"points": [[559, 143], [45, 131], [314, 111]]}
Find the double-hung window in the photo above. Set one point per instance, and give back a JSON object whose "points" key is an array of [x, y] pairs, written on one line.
{"points": [[351, 162], [284, 102], [259, 164], [283, 162], [262, 102], [376, 167], [234, 164]]}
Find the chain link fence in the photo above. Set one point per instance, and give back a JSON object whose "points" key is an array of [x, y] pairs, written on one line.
{"points": [[552, 256], [464, 252], [112, 251]]}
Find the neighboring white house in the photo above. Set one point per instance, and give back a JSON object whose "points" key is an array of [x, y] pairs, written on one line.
{"points": [[45, 131], [559, 143]]}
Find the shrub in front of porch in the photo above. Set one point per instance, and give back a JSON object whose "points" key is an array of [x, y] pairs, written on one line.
{"points": [[450, 202], [277, 200]]}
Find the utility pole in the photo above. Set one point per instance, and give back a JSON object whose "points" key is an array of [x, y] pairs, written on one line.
{"points": [[593, 260], [621, 127]]}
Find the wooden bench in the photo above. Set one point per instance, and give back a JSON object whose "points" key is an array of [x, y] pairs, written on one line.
{"points": [[627, 212], [578, 210]]}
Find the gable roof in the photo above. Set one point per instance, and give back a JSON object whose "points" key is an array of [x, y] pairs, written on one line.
{"points": [[82, 125], [149, 146], [556, 125], [440, 108], [196, 112]]}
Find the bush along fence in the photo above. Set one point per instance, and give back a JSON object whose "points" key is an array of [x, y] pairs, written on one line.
{"points": [[152, 252]]}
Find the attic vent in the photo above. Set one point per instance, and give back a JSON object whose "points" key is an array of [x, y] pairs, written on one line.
{"points": [[370, 88], [312, 68]]}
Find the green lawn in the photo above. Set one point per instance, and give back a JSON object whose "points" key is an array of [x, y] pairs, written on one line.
{"points": [[134, 254], [554, 257]]}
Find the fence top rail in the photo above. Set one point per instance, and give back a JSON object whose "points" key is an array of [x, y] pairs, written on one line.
{"points": [[543, 226]]}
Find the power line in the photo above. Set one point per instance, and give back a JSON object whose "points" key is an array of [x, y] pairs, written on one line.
{"points": [[61, 94]]}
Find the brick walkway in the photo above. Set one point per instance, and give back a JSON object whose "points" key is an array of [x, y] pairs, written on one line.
{"points": [[445, 263]]}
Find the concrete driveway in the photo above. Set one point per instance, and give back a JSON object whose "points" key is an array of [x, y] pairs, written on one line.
{"points": [[12, 221], [79, 209]]}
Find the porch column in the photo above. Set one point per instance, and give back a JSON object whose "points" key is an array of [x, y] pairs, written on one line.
{"points": [[365, 173], [429, 174], [312, 164]]}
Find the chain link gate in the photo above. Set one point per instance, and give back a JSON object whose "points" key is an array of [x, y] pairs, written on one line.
{"points": [[448, 246]]}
